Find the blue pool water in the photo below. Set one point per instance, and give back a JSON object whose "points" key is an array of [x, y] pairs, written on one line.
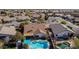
{"points": [[37, 44], [27, 41]]}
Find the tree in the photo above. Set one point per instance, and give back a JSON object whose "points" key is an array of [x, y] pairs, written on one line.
{"points": [[11, 16], [3, 12], [41, 20], [76, 41], [21, 28], [19, 36], [63, 22], [46, 16], [2, 21]]}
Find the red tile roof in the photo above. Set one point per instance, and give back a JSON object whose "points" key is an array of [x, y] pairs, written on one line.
{"points": [[34, 27]]}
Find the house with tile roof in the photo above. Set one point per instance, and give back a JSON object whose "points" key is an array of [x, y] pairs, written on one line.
{"points": [[7, 32], [60, 31], [34, 28]]}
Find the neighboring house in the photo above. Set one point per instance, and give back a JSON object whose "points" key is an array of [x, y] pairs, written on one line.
{"points": [[13, 18], [6, 32], [76, 20], [7, 19], [60, 31], [15, 23], [21, 18], [53, 19], [35, 15], [69, 16], [76, 30], [59, 15], [73, 27]]}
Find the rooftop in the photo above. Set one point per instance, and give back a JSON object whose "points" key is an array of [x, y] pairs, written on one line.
{"points": [[58, 28], [34, 27], [8, 30]]}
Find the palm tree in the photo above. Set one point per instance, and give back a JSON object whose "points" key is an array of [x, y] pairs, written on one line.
{"points": [[21, 27], [51, 39], [19, 36]]}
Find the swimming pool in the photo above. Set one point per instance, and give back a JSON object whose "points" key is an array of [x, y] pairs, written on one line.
{"points": [[37, 44], [27, 41]]}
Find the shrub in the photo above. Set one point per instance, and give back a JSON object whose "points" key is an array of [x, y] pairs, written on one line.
{"points": [[63, 22], [76, 41]]}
